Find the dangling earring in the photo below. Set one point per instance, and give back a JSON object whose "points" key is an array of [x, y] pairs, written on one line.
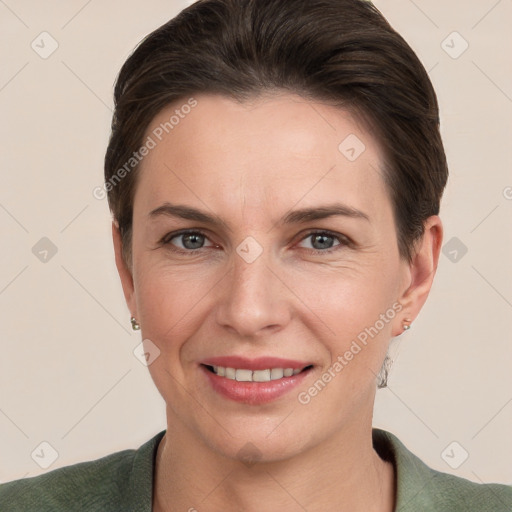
{"points": [[406, 326], [135, 324]]}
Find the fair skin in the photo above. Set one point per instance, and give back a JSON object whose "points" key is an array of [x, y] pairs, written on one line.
{"points": [[251, 164]]}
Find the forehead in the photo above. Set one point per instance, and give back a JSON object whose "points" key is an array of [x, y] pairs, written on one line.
{"points": [[275, 150]]}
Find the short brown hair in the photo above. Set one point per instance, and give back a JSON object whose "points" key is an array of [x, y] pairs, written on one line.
{"points": [[340, 51]]}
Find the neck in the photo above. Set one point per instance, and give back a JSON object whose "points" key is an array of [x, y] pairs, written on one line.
{"points": [[344, 473]]}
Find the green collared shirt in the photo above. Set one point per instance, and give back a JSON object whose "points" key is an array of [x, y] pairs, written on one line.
{"points": [[123, 482]]}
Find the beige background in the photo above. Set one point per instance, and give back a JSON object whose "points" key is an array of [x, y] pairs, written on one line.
{"points": [[68, 375]]}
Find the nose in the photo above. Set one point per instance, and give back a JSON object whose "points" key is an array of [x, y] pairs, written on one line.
{"points": [[254, 298]]}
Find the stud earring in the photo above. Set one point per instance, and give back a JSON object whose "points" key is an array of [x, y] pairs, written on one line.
{"points": [[407, 326], [135, 324]]}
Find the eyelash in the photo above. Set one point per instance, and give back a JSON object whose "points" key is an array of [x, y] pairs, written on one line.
{"points": [[342, 239]]}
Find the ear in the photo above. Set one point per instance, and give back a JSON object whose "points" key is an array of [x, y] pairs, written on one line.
{"points": [[420, 273], [124, 272]]}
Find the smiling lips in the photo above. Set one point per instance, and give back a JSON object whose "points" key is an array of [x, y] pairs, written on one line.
{"points": [[253, 381]]}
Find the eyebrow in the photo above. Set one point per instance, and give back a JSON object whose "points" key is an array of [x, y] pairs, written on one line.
{"points": [[294, 217]]}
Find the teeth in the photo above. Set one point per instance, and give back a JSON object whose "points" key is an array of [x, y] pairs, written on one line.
{"points": [[243, 375], [276, 373], [261, 375]]}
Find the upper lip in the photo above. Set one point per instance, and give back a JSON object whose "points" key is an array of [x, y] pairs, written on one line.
{"points": [[260, 363]]}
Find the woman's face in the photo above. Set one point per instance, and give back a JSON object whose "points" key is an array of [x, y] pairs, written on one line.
{"points": [[269, 276]]}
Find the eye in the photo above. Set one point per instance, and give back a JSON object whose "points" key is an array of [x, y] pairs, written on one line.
{"points": [[322, 241], [191, 241]]}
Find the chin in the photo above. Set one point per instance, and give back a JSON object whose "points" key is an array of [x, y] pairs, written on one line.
{"points": [[250, 443], [258, 449]]}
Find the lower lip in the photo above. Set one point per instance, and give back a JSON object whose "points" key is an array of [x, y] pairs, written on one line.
{"points": [[253, 393]]}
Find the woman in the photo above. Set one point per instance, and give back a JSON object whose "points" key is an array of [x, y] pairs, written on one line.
{"points": [[275, 171]]}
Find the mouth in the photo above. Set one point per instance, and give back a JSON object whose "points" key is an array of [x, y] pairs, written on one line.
{"points": [[247, 375], [254, 381]]}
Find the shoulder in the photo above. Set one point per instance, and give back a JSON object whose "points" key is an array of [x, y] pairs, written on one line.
{"points": [[85, 483], [104, 484], [420, 487]]}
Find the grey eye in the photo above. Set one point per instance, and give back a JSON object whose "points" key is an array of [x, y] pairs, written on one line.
{"points": [[191, 240], [322, 241]]}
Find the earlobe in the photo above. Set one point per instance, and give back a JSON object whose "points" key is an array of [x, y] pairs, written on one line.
{"points": [[125, 273], [421, 270]]}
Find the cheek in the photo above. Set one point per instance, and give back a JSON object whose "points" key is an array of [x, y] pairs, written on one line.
{"points": [[351, 314], [348, 299], [167, 306], [166, 302]]}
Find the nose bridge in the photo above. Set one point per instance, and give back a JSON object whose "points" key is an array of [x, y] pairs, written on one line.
{"points": [[249, 276], [253, 298]]}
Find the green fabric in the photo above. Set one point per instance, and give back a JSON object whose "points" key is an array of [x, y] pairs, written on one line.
{"points": [[123, 482], [420, 488]]}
